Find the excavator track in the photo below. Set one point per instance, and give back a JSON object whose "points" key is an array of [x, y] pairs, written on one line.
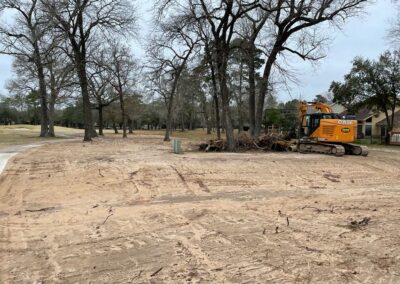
{"points": [[354, 149], [321, 148], [331, 149]]}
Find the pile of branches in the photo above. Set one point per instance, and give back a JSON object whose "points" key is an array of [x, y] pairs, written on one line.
{"points": [[273, 142], [213, 146], [266, 142]]}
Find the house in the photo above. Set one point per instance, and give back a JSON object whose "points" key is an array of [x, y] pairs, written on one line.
{"points": [[337, 108], [395, 137], [395, 134], [372, 124]]}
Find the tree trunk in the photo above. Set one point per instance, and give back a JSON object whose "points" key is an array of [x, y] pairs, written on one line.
{"points": [[217, 114], [205, 113], [264, 89], [390, 128], [239, 101], [192, 114], [115, 128], [215, 90], [209, 127], [182, 122], [87, 110], [169, 119], [389, 125], [122, 106], [191, 125], [101, 123], [252, 89], [223, 123], [44, 119], [130, 125], [121, 102], [171, 102], [94, 132], [51, 118], [52, 102], [222, 62]]}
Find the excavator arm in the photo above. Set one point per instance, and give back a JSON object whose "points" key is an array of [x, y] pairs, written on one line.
{"points": [[316, 106]]}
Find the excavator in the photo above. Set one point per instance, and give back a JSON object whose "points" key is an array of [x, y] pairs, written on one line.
{"points": [[323, 131]]}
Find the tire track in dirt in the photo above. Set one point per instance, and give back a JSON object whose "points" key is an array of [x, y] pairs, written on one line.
{"points": [[225, 235]]}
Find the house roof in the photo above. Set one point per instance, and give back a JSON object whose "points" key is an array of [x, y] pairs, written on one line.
{"points": [[396, 122], [363, 114]]}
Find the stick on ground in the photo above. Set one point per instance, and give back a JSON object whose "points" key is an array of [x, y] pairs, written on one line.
{"points": [[156, 272], [107, 218]]}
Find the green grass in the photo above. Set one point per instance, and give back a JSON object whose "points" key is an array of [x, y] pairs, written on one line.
{"points": [[376, 143], [196, 135], [384, 147], [19, 134], [367, 141], [26, 134]]}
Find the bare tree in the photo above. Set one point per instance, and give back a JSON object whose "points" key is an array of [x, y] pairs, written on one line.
{"points": [[296, 21], [100, 89], [78, 21], [24, 38], [60, 80], [23, 83], [169, 53], [238, 72], [250, 29], [221, 19], [209, 52], [394, 32], [122, 68]]}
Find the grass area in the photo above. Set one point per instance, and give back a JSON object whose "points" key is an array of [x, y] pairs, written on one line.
{"points": [[11, 135], [19, 134], [384, 147], [197, 134], [376, 143], [368, 141]]}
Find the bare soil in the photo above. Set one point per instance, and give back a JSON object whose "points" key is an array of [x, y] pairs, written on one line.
{"points": [[129, 211]]}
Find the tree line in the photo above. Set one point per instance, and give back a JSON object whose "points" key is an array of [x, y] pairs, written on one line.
{"points": [[207, 62]]}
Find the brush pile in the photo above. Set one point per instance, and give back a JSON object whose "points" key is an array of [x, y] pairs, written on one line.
{"points": [[266, 142]]}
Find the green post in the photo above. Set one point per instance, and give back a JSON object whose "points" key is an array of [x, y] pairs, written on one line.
{"points": [[176, 146]]}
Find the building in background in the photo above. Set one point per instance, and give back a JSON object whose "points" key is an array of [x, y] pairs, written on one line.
{"points": [[372, 125]]}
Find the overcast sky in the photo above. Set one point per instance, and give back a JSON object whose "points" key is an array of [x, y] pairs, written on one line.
{"points": [[362, 36]]}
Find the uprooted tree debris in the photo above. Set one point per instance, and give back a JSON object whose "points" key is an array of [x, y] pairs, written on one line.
{"points": [[266, 142]]}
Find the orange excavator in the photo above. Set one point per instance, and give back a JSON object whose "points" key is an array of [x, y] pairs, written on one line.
{"points": [[323, 131]]}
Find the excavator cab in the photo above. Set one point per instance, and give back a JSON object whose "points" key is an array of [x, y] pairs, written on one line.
{"points": [[311, 122]]}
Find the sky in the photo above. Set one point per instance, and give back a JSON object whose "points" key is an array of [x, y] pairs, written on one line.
{"points": [[362, 36]]}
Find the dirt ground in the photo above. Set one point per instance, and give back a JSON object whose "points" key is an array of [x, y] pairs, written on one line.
{"points": [[116, 211]]}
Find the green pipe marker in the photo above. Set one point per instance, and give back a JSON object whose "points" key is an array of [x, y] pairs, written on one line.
{"points": [[177, 146]]}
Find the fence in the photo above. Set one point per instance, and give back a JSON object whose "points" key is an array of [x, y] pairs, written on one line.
{"points": [[395, 138]]}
